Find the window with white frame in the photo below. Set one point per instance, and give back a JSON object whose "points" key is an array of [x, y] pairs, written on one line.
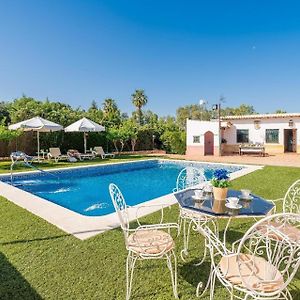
{"points": [[272, 136], [196, 139]]}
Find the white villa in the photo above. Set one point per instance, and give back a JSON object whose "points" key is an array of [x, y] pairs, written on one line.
{"points": [[276, 133]]}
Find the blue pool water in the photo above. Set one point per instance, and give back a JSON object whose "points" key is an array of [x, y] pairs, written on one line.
{"points": [[85, 190]]}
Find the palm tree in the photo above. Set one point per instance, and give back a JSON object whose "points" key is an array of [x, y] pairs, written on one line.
{"points": [[94, 105], [109, 106], [111, 112], [139, 99]]}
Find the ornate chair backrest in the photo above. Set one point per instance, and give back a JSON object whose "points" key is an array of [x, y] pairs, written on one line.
{"points": [[291, 202], [189, 177], [120, 207], [268, 255]]}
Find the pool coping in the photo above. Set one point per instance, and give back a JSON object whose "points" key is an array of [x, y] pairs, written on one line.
{"points": [[84, 227]]}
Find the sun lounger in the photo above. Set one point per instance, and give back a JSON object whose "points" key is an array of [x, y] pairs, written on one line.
{"points": [[56, 155], [80, 156], [21, 156], [98, 151]]}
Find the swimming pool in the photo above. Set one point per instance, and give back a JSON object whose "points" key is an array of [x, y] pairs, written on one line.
{"points": [[85, 190]]}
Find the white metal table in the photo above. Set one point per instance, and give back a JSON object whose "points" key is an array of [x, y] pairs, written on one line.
{"points": [[208, 207]]}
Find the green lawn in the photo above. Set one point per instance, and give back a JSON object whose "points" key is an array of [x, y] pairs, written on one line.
{"points": [[39, 261]]}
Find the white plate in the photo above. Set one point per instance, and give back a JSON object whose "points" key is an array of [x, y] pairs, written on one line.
{"points": [[228, 205], [245, 198]]}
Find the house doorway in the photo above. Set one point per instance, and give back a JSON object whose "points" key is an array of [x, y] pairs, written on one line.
{"points": [[290, 140], [208, 143]]}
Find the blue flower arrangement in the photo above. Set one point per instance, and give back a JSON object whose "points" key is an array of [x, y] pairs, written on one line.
{"points": [[220, 178]]}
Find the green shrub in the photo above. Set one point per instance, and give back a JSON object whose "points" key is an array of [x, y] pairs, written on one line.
{"points": [[174, 141]]}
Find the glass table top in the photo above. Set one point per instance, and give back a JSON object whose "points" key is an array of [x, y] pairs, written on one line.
{"points": [[207, 205]]}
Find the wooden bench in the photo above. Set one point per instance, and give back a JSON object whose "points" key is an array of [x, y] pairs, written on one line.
{"points": [[250, 149]]}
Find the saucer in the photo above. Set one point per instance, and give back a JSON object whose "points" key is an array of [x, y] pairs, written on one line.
{"points": [[241, 197], [197, 198], [228, 205]]}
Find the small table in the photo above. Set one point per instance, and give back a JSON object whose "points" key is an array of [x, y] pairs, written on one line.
{"points": [[43, 153], [257, 207], [216, 209]]}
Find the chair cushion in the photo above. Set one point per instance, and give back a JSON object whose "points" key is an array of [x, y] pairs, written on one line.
{"points": [[258, 273], [292, 232], [150, 242]]}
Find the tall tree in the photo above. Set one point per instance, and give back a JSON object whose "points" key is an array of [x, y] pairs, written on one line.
{"points": [[4, 113], [94, 105], [193, 112], [150, 118], [280, 111], [113, 135], [109, 105], [94, 113], [139, 99], [243, 109], [7, 135], [111, 112], [24, 108], [130, 131]]}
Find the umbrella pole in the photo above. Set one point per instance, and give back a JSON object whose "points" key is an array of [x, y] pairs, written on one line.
{"points": [[84, 142], [38, 145]]}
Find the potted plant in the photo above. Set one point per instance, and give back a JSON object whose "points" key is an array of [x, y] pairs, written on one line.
{"points": [[220, 182]]}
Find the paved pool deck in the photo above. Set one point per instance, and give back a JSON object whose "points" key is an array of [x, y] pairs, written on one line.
{"points": [[283, 160]]}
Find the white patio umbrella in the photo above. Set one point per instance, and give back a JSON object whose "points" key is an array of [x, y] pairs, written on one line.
{"points": [[37, 124], [84, 125]]}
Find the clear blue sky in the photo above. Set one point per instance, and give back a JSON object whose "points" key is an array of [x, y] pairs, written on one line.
{"points": [[178, 51]]}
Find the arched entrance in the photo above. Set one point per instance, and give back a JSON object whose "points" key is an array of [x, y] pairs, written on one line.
{"points": [[208, 143]]}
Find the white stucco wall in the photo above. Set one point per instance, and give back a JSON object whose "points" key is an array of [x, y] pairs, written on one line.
{"points": [[258, 135], [198, 128]]}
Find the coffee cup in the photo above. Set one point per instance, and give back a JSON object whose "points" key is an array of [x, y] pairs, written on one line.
{"points": [[198, 194], [233, 201], [208, 188], [245, 193]]}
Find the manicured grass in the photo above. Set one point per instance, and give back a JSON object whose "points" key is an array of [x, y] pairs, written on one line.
{"points": [[20, 167], [39, 261]]}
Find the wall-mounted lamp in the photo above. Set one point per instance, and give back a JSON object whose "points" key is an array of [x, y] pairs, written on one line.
{"points": [[291, 123], [257, 124]]}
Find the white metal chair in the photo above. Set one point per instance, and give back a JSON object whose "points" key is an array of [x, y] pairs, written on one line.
{"points": [[291, 199], [187, 178], [145, 241], [263, 265]]}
